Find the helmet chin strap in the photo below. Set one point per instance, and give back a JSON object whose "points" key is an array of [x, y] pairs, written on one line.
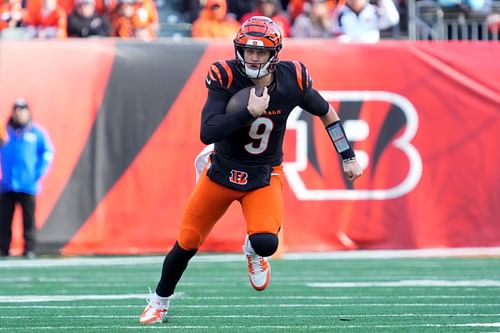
{"points": [[258, 73]]}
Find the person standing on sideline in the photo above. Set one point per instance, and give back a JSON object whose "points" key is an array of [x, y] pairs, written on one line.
{"points": [[25, 158], [246, 163]]}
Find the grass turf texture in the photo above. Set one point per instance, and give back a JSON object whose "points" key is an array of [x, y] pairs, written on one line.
{"points": [[328, 295]]}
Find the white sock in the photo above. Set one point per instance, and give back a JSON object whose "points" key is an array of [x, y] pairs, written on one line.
{"points": [[160, 301]]}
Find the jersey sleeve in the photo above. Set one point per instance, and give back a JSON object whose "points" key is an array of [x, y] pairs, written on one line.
{"points": [[215, 123], [312, 101], [220, 76], [304, 80]]}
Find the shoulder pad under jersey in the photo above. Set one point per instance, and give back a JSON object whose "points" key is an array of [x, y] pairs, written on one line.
{"points": [[304, 80], [220, 75]]}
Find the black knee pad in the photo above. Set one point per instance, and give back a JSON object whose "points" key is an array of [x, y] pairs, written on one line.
{"points": [[264, 244]]}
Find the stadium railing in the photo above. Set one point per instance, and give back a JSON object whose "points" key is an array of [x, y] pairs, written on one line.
{"points": [[427, 20]]}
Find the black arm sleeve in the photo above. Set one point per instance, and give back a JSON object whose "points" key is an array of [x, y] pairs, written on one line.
{"points": [[314, 103], [216, 125]]}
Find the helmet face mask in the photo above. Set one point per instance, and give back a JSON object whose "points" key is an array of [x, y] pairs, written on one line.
{"points": [[252, 69], [258, 32]]}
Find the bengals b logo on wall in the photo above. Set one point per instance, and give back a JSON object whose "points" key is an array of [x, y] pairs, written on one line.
{"points": [[380, 126], [238, 177]]}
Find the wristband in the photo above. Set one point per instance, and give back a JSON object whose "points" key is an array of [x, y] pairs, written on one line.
{"points": [[337, 135]]}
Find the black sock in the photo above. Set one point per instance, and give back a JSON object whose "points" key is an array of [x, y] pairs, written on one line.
{"points": [[174, 265]]}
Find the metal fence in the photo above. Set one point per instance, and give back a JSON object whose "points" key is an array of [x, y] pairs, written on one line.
{"points": [[429, 21]]}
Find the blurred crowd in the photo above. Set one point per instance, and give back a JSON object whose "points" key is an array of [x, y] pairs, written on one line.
{"points": [[359, 20], [347, 20], [81, 18]]}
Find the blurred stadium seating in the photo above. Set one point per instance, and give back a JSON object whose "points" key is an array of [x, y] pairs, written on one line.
{"points": [[420, 20], [172, 21], [423, 20], [15, 33]]}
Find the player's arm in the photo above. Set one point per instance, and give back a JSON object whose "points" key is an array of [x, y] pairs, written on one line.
{"points": [[331, 120], [216, 125], [317, 105]]}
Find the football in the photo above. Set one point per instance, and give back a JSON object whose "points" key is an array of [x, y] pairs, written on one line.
{"points": [[239, 101]]}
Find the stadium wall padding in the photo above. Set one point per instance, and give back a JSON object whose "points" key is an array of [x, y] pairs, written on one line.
{"points": [[124, 118]]}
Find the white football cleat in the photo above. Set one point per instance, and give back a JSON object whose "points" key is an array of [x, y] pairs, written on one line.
{"points": [[259, 270], [156, 311]]}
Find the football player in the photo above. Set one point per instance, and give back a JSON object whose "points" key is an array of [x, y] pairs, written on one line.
{"points": [[245, 164]]}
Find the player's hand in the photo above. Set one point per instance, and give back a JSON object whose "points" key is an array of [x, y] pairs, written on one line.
{"points": [[352, 169], [258, 105]]}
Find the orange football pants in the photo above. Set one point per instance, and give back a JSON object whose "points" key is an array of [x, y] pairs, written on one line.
{"points": [[262, 208]]}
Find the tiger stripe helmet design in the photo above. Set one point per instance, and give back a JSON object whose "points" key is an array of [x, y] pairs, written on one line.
{"points": [[258, 32]]}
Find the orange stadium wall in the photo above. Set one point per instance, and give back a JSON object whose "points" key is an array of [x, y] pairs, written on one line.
{"points": [[424, 119]]}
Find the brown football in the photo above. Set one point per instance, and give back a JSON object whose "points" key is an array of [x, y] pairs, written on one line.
{"points": [[239, 101]]}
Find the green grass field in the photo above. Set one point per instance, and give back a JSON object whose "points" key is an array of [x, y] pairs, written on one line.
{"points": [[341, 293]]}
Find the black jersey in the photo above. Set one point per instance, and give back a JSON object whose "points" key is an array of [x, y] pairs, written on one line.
{"points": [[239, 136]]}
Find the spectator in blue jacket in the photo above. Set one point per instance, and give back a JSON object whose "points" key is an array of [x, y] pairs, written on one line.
{"points": [[25, 158]]}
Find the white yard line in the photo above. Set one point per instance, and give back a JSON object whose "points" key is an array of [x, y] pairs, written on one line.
{"points": [[389, 254], [407, 283], [64, 298], [401, 283], [247, 305], [164, 327], [479, 324], [362, 254], [68, 298], [336, 327], [430, 315]]}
